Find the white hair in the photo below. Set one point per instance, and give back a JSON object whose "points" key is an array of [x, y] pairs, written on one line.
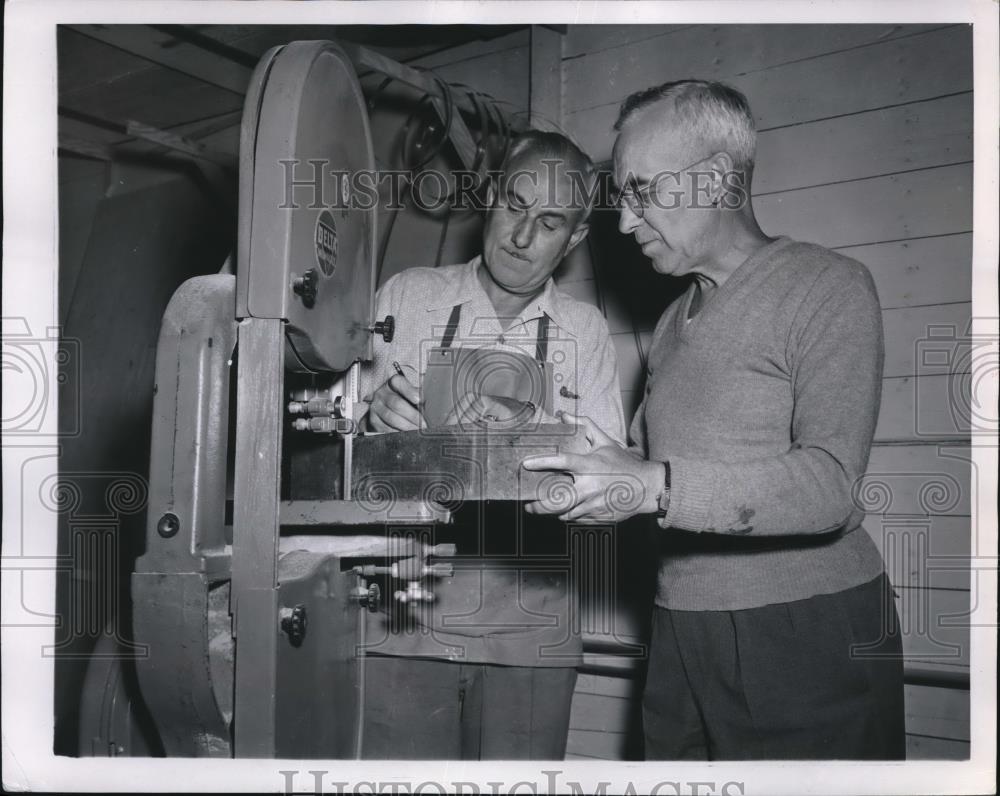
{"points": [[706, 111]]}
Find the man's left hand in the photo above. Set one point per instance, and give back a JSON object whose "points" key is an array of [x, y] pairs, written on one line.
{"points": [[609, 483]]}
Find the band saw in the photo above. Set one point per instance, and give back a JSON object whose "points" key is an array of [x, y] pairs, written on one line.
{"points": [[253, 624]]}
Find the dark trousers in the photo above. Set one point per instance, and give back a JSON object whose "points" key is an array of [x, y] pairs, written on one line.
{"points": [[421, 709], [820, 678]]}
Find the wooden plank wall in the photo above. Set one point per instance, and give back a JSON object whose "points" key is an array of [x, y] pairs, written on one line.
{"points": [[865, 146]]}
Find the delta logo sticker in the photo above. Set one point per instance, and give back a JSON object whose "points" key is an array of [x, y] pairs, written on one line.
{"points": [[326, 243]]}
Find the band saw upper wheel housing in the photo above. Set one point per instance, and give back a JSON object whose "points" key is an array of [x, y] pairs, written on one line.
{"points": [[306, 251]]}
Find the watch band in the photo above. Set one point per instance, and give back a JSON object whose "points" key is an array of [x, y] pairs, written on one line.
{"points": [[663, 501]]}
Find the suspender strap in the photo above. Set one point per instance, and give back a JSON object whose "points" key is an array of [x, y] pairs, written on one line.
{"points": [[542, 344], [451, 328]]}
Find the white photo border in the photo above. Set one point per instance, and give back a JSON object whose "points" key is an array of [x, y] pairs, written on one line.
{"points": [[30, 275]]}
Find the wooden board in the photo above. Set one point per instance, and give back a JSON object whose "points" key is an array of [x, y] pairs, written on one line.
{"points": [[256, 39], [158, 97], [468, 53], [928, 552], [164, 49], [451, 464], [584, 40], [605, 686], [928, 408], [503, 74], [75, 128], [104, 63], [224, 140], [925, 270], [908, 335], [925, 132], [714, 52], [935, 626], [917, 135], [935, 63], [921, 747], [935, 201], [601, 745], [545, 79], [795, 92], [916, 480], [942, 712], [598, 712]]}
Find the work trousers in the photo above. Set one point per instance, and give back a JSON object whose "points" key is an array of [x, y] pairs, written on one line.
{"points": [[423, 709], [820, 678]]}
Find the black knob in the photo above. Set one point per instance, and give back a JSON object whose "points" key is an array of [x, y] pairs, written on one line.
{"points": [[168, 525], [306, 286], [372, 599], [386, 328], [293, 624]]}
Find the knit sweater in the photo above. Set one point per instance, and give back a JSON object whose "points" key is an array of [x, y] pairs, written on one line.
{"points": [[764, 404]]}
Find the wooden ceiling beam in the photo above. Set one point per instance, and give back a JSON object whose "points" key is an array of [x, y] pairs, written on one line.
{"points": [[87, 149], [160, 46], [180, 144]]}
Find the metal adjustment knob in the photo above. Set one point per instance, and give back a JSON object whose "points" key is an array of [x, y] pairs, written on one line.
{"points": [[293, 624], [371, 599], [386, 328], [368, 596], [306, 286]]}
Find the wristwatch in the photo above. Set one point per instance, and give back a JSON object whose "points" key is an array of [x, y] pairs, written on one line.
{"points": [[663, 501]]}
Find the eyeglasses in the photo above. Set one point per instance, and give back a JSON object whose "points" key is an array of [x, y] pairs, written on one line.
{"points": [[638, 198]]}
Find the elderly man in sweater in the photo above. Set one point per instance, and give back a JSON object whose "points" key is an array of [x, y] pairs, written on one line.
{"points": [[774, 631]]}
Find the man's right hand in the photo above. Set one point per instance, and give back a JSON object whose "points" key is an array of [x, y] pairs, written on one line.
{"points": [[395, 406]]}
